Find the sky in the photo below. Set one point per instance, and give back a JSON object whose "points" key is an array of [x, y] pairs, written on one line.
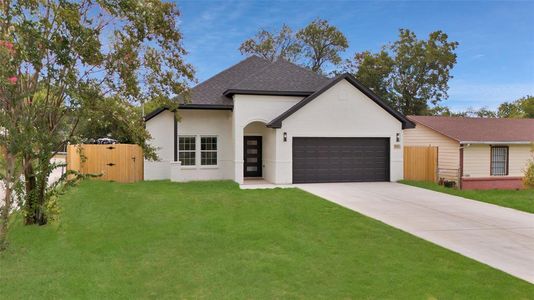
{"points": [[495, 60]]}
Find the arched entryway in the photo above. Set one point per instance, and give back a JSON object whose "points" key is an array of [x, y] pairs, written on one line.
{"points": [[258, 151]]}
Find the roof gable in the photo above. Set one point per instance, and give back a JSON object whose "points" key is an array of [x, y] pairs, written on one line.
{"points": [[212, 90], [463, 129], [257, 76], [280, 76], [277, 122]]}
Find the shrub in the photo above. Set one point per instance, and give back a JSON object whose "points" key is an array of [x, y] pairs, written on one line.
{"points": [[528, 179]]}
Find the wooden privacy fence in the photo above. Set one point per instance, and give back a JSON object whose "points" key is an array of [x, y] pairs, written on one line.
{"points": [[116, 162], [421, 163]]}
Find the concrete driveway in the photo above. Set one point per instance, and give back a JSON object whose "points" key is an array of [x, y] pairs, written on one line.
{"points": [[497, 236]]}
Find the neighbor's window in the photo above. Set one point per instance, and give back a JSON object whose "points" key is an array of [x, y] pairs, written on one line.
{"points": [[499, 160], [208, 151], [187, 150]]}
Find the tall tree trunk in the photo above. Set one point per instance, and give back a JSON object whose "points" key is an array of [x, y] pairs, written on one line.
{"points": [[30, 186], [42, 182], [36, 180]]}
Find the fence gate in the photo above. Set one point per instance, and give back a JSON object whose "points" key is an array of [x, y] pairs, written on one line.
{"points": [[421, 163], [117, 162]]}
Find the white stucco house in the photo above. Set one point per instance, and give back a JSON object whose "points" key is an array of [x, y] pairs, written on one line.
{"points": [[281, 123]]}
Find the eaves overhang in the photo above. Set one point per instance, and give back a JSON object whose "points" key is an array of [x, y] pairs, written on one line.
{"points": [[190, 106]]}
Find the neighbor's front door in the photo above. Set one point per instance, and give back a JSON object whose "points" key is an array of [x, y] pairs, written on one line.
{"points": [[252, 156]]}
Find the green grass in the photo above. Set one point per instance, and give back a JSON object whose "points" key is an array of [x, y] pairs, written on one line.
{"points": [[212, 240], [518, 199]]}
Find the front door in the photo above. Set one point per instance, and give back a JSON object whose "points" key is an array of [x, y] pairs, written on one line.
{"points": [[252, 156]]}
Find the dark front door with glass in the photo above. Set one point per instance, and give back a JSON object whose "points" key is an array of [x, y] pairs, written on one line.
{"points": [[252, 153]]}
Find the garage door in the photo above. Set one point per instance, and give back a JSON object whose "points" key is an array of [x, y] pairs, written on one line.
{"points": [[340, 159]]}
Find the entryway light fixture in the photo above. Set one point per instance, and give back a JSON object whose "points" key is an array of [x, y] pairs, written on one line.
{"points": [[285, 136], [398, 137]]}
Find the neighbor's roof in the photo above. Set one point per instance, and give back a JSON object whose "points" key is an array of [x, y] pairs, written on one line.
{"points": [[256, 75], [466, 130]]}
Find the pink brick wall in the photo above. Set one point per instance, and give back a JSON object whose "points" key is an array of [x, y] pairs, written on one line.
{"points": [[488, 183]]}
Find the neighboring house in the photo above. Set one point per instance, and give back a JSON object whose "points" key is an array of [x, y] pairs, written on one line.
{"points": [[477, 153], [279, 122]]}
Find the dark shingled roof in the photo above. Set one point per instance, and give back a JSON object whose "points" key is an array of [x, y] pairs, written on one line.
{"points": [[211, 91], [464, 129], [282, 76], [258, 76]]}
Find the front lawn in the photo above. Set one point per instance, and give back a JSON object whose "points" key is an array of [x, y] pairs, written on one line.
{"points": [[520, 199], [213, 240]]}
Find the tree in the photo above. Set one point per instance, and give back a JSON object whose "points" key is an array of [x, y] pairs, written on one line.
{"points": [[113, 118], [372, 69], [520, 108], [483, 112], [66, 55], [10, 145], [273, 46], [410, 74], [314, 46], [321, 44]]}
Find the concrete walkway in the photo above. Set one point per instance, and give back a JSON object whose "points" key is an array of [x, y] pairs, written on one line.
{"points": [[497, 236]]}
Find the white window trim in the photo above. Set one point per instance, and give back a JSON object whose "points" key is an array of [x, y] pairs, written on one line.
{"points": [[196, 151], [200, 151]]}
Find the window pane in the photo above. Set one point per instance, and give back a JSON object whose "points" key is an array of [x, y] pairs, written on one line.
{"points": [[187, 158], [208, 158], [187, 147], [208, 148], [187, 143], [208, 143]]}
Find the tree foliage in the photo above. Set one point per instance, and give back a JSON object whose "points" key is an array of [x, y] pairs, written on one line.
{"points": [[313, 46], [372, 69], [528, 178], [112, 118], [273, 46], [483, 112], [520, 108], [60, 57], [321, 44], [411, 74]]}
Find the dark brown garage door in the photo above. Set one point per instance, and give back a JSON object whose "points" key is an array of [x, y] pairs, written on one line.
{"points": [[340, 159]]}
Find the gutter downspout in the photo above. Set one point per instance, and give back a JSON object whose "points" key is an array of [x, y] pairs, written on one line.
{"points": [[461, 166], [175, 138]]}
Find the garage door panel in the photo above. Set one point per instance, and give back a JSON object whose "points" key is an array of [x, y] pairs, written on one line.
{"points": [[340, 159]]}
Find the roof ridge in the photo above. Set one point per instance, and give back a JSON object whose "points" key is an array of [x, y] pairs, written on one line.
{"points": [[479, 129], [303, 68], [254, 73], [273, 64], [229, 68]]}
